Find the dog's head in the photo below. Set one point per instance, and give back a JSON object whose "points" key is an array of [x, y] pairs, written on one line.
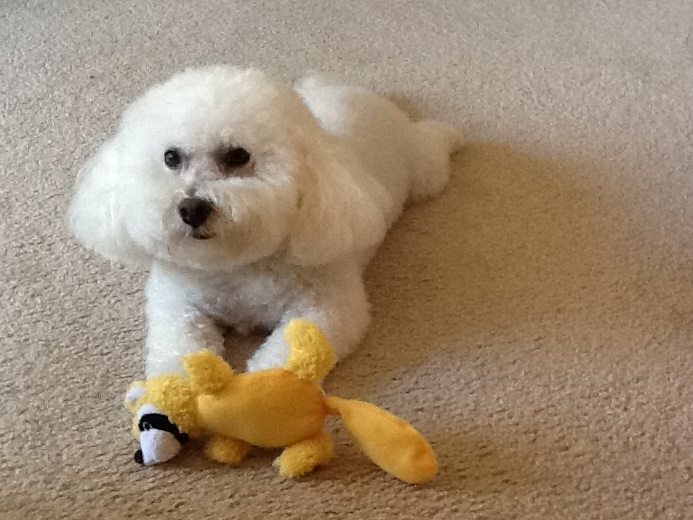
{"points": [[218, 167]]}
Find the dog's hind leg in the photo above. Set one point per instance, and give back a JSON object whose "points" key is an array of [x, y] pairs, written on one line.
{"points": [[432, 144]]}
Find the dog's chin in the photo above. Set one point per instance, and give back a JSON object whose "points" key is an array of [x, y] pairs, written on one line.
{"points": [[190, 247], [201, 250], [214, 248]]}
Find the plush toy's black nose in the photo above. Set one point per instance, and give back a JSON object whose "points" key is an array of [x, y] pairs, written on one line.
{"points": [[139, 457], [194, 211]]}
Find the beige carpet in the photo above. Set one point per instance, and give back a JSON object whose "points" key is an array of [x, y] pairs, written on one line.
{"points": [[535, 322]]}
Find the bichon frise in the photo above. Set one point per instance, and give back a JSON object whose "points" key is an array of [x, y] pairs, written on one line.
{"points": [[252, 203]]}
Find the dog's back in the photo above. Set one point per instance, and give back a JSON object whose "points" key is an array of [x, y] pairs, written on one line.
{"points": [[409, 158]]}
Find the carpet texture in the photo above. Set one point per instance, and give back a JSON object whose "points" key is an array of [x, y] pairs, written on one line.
{"points": [[534, 322]]}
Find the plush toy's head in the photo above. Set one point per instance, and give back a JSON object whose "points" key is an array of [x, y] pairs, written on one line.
{"points": [[163, 410]]}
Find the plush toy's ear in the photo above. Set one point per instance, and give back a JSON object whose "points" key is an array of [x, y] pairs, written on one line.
{"points": [[135, 391], [311, 356], [99, 210], [207, 372], [341, 209]]}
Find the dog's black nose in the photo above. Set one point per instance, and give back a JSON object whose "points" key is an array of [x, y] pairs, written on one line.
{"points": [[139, 457], [194, 211]]}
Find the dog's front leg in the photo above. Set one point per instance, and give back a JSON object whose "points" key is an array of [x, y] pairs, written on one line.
{"points": [[175, 327], [341, 311]]}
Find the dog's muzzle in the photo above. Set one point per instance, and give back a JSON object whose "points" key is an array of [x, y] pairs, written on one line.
{"points": [[194, 211]]}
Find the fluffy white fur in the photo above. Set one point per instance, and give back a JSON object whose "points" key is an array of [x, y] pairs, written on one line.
{"points": [[332, 167]]}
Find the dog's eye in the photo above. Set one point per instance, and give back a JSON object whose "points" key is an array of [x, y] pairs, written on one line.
{"points": [[145, 427], [172, 158], [236, 157]]}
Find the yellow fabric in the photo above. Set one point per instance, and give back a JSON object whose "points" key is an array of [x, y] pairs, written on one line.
{"points": [[311, 357], [387, 440], [304, 456], [228, 451], [172, 394], [271, 409], [283, 408], [207, 372]]}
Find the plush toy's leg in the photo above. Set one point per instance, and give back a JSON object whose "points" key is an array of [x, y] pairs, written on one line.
{"points": [[226, 449], [305, 456]]}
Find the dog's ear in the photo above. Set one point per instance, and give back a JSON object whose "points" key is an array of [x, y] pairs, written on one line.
{"points": [[341, 209], [98, 213]]}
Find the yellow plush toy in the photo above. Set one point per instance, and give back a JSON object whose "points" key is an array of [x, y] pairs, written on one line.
{"points": [[277, 408]]}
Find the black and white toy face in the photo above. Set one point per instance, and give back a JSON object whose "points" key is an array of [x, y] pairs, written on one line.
{"points": [[160, 440]]}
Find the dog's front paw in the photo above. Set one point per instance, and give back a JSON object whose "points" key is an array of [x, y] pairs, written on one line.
{"points": [[271, 354]]}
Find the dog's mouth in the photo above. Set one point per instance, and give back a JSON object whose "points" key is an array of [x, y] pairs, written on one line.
{"points": [[200, 235]]}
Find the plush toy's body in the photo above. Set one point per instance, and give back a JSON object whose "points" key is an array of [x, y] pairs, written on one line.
{"points": [[279, 408], [270, 409]]}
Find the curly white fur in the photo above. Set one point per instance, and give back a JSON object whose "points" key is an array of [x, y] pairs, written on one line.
{"points": [[331, 168]]}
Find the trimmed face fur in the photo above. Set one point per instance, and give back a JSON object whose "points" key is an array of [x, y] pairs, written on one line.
{"points": [[212, 169]]}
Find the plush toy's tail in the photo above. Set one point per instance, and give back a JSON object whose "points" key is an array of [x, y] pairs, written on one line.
{"points": [[387, 440]]}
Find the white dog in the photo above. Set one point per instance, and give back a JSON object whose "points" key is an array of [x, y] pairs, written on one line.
{"points": [[253, 203]]}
